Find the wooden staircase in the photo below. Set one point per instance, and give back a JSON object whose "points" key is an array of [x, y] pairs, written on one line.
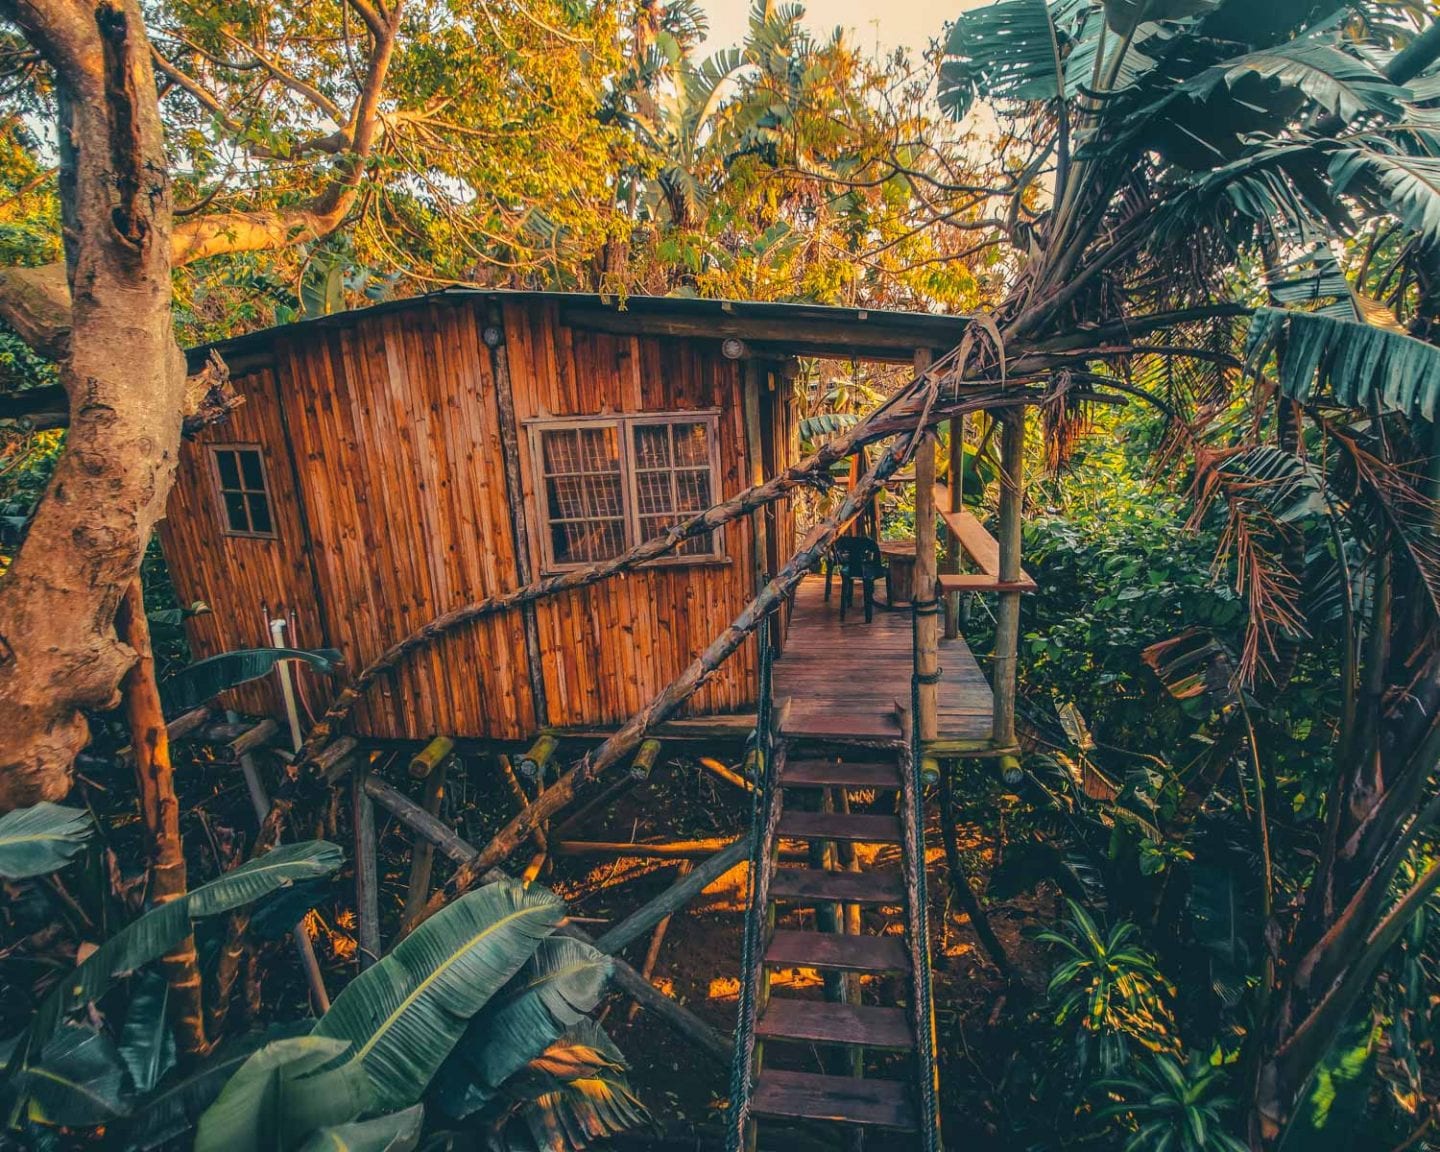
{"points": [[809, 800]]}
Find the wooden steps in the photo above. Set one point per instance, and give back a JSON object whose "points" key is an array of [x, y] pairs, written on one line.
{"points": [[837, 952], [807, 885], [827, 1023], [852, 827], [841, 774], [838, 1099]]}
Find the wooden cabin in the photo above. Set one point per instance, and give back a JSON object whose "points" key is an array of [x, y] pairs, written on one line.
{"points": [[392, 463]]}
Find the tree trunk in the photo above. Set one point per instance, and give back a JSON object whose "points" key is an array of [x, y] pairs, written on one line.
{"points": [[160, 809], [125, 378]]}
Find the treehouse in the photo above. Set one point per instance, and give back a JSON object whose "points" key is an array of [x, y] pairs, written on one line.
{"points": [[390, 464]]}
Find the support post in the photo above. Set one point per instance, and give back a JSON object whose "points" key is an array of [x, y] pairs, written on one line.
{"points": [[927, 620], [367, 879], [958, 425], [431, 765], [1007, 614], [755, 453]]}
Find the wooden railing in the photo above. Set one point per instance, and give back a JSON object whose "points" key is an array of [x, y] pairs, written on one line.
{"points": [[982, 549]]}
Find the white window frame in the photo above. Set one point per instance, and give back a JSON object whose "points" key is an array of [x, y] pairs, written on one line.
{"points": [[625, 425], [265, 492]]}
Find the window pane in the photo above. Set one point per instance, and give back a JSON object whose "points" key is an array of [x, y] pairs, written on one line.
{"points": [[229, 472], [235, 514], [584, 493], [652, 446], [252, 470], [583, 542], [692, 491], [692, 445], [259, 512], [652, 493]]}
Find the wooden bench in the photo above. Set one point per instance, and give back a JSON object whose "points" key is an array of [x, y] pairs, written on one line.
{"points": [[982, 548]]}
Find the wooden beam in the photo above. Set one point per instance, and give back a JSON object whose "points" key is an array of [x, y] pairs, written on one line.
{"points": [[629, 981], [519, 524], [1007, 613], [677, 896], [926, 606], [432, 756], [955, 501]]}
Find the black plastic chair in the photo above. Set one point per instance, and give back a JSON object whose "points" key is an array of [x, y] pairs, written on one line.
{"points": [[857, 558]]}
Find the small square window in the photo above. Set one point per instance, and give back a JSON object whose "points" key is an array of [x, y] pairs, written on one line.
{"points": [[240, 482]]}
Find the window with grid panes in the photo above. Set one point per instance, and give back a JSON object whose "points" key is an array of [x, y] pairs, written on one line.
{"points": [[608, 484], [240, 483]]}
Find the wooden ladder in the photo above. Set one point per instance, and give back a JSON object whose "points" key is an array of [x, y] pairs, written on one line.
{"points": [[842, 1026]]}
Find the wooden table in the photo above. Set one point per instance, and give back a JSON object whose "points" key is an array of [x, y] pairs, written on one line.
{"points": [[899, 572]]}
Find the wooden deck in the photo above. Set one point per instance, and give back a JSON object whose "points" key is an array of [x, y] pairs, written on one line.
{"points": [[843, 680]]}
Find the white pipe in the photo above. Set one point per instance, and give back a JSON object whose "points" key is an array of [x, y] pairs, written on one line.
{"points": [[287, 689]]}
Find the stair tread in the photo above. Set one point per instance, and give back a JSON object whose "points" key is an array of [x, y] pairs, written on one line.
{"points": [[856, 826], [823, 1022], [845, 774], [848, 887], [838, 951], [840, 1099]]}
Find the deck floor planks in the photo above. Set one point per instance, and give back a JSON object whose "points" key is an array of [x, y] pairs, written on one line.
{"points": [[843, 680]]}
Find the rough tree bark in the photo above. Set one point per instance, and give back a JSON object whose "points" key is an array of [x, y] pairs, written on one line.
{"points": [[125, 378], [160, 809]]}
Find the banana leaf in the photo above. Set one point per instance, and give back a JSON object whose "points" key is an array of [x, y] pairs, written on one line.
{"points": [[582, 1093], [558, 986], [162, 928], [206, 679], [42, 839], [397, 1132], [176, 1105], [78, 1081], [147, 1046], [405, 1014], [284, 1093]]}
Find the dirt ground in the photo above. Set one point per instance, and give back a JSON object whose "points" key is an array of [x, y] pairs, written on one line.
{"points": [[699, 963]]}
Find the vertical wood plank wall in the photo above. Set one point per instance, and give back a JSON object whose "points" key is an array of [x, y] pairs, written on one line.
{"points": [[394, 429], [610, 648], [237, 576]]}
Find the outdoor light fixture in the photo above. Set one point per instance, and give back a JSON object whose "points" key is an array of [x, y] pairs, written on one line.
{"points": [[733, 348], [493, 336]]}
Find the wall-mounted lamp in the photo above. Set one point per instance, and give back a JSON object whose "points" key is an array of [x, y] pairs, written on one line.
{"points": [[493, 336], [733, 348]]}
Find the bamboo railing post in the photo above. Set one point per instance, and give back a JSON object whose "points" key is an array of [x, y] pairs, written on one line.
{"points": [[926, 607], [958, 424], [429, 765], [1007, 615], [532, 763], [644, 762]]}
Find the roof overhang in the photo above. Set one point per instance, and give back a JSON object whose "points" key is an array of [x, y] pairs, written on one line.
{"points": [[767, 329]]}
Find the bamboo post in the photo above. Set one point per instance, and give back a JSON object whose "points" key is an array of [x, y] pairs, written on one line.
{"points": [[958, 424], [367, 896], [1007, 614], [433, 755], [304, 946], [160, 809], [644, 762], [532, 763], [926, 608], [422, 852], [652, 954]]}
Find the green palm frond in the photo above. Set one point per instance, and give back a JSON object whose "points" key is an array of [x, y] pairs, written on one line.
{"points": [[78, 1081], [404, 1015], [41, 839], [1338, 82], [1408, 187], [1008, 51], [397, 1132], [1348, 363]]}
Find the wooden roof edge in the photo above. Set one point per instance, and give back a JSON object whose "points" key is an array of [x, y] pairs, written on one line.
{"points": [[773, 327]]}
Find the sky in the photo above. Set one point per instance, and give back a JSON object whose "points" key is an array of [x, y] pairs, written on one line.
{"points": [[894, 23]]}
